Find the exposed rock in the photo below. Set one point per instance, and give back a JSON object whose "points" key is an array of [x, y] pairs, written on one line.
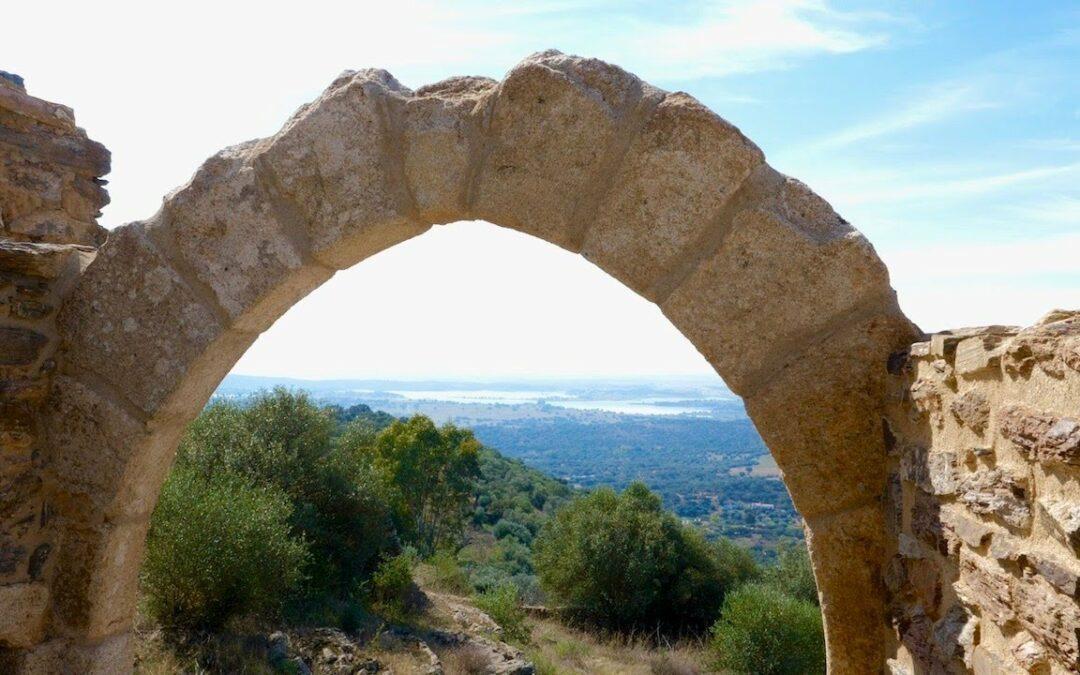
{"points": [[993, 492], [981, 353], [972, 410], [1053, 344], [1065, 517], [1044, 437], [970, 531], [1051, 617], [985, 586]]}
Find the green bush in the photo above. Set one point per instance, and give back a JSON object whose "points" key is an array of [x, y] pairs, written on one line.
{"points": [[764, 631], [218, 548], [623, 562], [504, 606], [446, 573], [391, 586], [283, 441], [793, 574]]}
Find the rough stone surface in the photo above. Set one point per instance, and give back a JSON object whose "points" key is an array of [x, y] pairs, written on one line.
{"points": [[983, 423], [1043, 437], [555, 125], [669, 195], [969, 490]]}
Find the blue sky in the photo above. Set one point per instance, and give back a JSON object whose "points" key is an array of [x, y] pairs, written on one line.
{"points": [[948, 132]]}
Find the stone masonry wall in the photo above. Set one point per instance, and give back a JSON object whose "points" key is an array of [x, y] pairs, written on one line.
{"points": [[983, 436], [50, 196]]}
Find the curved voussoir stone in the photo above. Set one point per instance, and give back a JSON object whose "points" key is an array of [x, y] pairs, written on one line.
{"points": [[820, 414], [846, 550], [671, 187], [556, 129], [139, 329], [225, 227], [442, 129], [106, 463], [789, 269], [97, 579], [337, 167]]}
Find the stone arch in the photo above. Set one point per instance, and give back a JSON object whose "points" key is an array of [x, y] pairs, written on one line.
{"points": [[788, 302]]}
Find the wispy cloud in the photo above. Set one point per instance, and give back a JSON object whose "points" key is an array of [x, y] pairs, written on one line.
{"points": [[938, 103], [863, 185], [730, 37]]}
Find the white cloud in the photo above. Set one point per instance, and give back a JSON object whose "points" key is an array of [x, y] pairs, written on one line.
{"points": [[941, 102], [731, 37]]}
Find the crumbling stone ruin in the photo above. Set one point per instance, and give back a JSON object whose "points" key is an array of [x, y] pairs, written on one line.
{"points": [[937, 479]]}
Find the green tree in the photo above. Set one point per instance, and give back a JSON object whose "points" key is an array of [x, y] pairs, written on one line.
{"points": [[793, 573], [764, 631], [281, 439], [217, 548], [624, 562], [429, 475]]}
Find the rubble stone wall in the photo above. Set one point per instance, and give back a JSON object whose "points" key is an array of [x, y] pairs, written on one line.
{"points": [[983, 503], [50, 196]]}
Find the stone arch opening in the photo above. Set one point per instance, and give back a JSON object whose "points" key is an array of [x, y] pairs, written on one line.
{"points": [[783, 297]]}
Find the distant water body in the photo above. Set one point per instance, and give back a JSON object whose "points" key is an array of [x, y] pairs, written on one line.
{"points": [[654, 405]]}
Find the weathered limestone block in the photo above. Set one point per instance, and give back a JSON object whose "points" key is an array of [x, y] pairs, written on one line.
{"points": [[1053, 344], [1051, 617], [101, 461], [985, 586], [20, 346], [556, 126], [443, 139], [788, 254], [157, 328], [57, 226], [851, 625], [954, 638], [1027, 651], [1044, 437], [934, 472], [1064, 517], [981, 354], [224, 227], [1062, 575], [996, 493], [969, 530], [926, 524], [97, 578], [813, 416], [972, 409], [337, 169], [677, 177], [25, 607]]}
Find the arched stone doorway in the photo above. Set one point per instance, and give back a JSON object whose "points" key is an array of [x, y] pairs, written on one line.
{"points": [[790, 304]]}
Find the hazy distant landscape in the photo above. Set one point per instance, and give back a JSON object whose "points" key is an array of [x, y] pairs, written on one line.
{"points": [[688, 439]]}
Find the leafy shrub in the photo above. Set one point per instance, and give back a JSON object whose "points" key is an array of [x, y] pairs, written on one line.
{"points": [[793, 574], [504, 606], [218, 548], [283, 441], [763, 630], [625, 563], [428, 474], [508, 528], [446, 574], [391, 585]]}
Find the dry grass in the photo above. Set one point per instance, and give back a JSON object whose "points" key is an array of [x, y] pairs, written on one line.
{"points": [[558, 649], [466, 660]]}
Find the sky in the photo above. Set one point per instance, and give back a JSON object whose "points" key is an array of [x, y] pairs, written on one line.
{"points": [[947, 132]]}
